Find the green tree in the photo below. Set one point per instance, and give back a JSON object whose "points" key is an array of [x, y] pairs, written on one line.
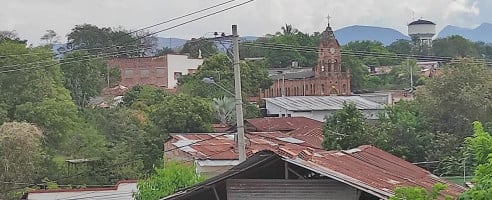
{"points": [[254, 75], [224, 109], [183, 114], [164, 51], [345, 129], [454, 46], [21, 154], [418, 193], [360, 49], [460, 96], [481, 146], [85, 78], [358, 70], [167, 180], [195, 46], [50, 37], [401, 46], [144, 96], [108, 40]]}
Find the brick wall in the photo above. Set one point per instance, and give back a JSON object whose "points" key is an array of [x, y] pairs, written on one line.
{"points": [[142, 71], [335, 83]]}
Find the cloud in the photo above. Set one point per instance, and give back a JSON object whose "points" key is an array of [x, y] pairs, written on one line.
{"points": [[31, 18]]}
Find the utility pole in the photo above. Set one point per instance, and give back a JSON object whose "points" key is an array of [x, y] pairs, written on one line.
{"points": [[239, 99]]}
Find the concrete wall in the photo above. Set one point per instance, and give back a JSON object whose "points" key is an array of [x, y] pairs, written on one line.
{"points": [[180, 64]]}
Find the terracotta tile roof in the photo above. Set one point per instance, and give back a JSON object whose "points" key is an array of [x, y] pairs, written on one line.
{"points": [[367, 168]]}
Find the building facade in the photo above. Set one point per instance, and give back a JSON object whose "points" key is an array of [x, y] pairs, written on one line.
{"points": [[325, 79], [162, 71], [320, 107]]}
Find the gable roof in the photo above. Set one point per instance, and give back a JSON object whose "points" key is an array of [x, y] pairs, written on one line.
{"points": [[310, 103], [366, 168]]}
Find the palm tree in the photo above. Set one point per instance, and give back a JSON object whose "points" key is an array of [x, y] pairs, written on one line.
{"points": [[288, 30], [224, 108]]}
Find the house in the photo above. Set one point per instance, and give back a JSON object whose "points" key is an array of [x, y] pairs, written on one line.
{"points": [[319, 107], [214, 153], [162, 71], [293, 172], [123, 190], [326, 78], [301, 128]]}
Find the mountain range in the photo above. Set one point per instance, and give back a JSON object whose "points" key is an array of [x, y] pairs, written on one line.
{"points": [[384, 35], [357, 32]]}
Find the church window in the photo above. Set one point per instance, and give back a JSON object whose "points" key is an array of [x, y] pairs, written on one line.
{"points": [[322, 88], [323, 68]]}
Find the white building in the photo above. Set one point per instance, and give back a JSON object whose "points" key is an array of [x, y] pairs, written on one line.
{"points": [[319, 107], [123, 190], [179, 65]]}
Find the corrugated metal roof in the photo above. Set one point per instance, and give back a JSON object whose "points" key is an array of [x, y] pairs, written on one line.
{"points": [[309, 103], [366, 168]]}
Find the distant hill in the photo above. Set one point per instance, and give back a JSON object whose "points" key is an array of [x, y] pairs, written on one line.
{"points": [[481, 33], [170, 42], [354, 33]]}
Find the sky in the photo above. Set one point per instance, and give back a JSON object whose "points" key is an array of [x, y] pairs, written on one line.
{"points": [[31, 18]]}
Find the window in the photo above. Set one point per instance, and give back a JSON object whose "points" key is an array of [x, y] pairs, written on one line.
{"points": [[283, 115], [161, 72], [322, 68], [129, 73], [144, 73], [322, 88], [289, 115], [177, 75]]}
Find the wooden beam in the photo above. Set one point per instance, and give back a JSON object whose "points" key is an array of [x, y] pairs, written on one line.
{"points": [[215, 192], [297, 174], [286, 170]]}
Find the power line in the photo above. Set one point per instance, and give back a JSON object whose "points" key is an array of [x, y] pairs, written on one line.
{"points": [[72, 61], [181, 24], [193, 20], [351, 53], [180, 17]]}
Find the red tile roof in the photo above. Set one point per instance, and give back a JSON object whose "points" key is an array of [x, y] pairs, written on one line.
{"points": [[367, 168]]}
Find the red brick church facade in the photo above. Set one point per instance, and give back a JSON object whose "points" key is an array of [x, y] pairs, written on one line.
{"points": [[326, 78]]}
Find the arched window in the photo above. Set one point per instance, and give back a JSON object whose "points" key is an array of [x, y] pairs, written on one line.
{"points": [[322, 88], [322, 68], [344, 89]]}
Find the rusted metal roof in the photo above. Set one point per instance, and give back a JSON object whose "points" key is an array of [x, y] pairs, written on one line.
{"points": [[283, 124], [366, 167]]}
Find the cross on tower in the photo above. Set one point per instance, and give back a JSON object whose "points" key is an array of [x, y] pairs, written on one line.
{"points": [[328, 17]]}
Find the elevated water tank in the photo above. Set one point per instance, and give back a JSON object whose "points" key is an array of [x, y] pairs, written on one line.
{"points": [[423, 30]]}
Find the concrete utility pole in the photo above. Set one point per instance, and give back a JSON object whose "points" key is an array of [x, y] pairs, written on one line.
{"points": [[239, 99]]}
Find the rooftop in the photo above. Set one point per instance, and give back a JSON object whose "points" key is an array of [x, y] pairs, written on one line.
{"points": [[366, 168], [310, 103], [421, 21]]}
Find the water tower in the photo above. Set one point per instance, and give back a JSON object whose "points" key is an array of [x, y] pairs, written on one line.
{"points": [[423, 31]]}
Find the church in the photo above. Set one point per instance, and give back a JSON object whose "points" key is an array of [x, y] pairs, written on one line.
{"points": [[327, 78]]}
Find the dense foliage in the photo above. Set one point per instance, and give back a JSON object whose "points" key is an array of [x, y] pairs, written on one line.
{"points": [[167, 180]]}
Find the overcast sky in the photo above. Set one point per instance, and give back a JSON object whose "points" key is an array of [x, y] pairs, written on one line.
{"points": [[31, 18]]}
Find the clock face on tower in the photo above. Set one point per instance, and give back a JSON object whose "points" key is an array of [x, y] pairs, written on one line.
{"points": [[332, 50]]}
